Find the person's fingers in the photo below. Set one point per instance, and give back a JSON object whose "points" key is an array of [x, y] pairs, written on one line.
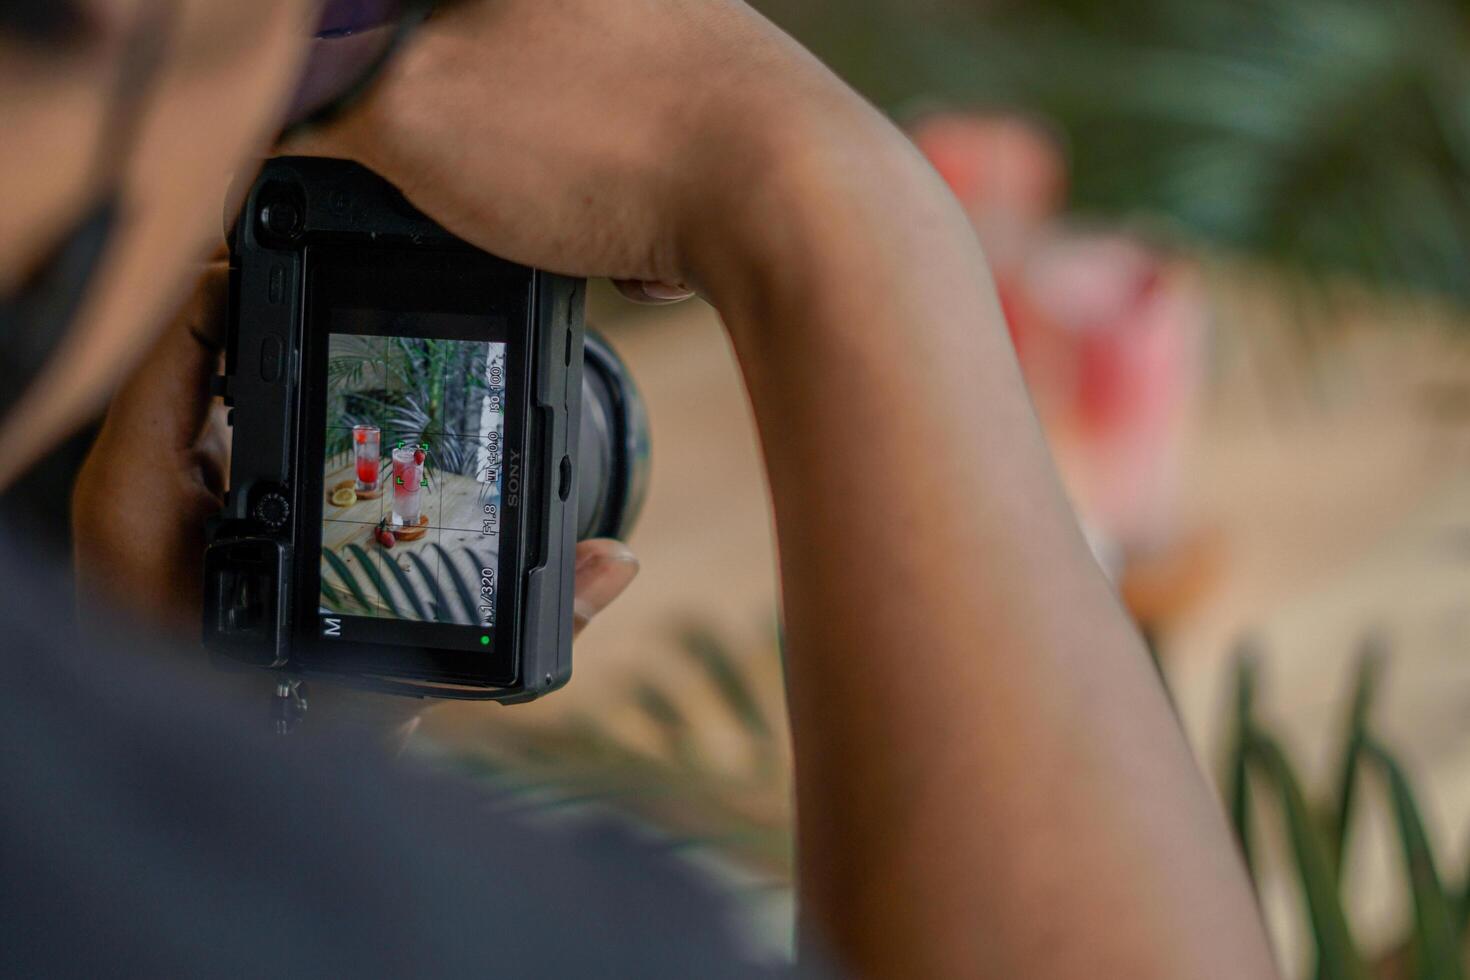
{"points": [[605, 568], [206, 317], [156, 427], [213, 450], [166, 399], [652, 293]]}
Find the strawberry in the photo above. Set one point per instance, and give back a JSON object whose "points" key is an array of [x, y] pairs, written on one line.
{"points": [[382, 535], [419, 456]]}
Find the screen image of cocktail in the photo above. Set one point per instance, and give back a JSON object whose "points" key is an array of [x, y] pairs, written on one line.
{"points": [[414, 445], [408, 479], [367, 441]]}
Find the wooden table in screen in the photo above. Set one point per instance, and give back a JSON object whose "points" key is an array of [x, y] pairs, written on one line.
{"points": [[436, 578]]}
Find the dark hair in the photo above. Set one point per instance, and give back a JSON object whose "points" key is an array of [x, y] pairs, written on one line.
{"points": [[43, 22]]}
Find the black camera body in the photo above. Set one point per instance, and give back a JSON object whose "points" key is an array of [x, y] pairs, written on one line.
{"points": [[407, 416]]}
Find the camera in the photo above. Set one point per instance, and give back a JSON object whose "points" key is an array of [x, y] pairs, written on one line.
{"points": [[421, 434]]}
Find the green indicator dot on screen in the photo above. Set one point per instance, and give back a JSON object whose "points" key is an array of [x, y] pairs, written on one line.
{"points": [[484, 641]]}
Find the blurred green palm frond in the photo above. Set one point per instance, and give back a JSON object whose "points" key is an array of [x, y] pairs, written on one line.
{"points": [[736, 806], [1330, 137], [1318, 836], [730, 804]]}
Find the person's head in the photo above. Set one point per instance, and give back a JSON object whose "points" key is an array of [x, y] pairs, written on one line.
{"points": [[166, 99]]}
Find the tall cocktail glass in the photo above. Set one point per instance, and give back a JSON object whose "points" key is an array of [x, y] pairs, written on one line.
{"points": [[408, 475], [367, 442]]}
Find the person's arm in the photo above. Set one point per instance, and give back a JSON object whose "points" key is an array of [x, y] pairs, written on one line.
{"points": [[989, 778]]}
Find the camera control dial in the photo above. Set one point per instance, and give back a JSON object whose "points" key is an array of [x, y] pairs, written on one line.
{"points": [[272, 509]]}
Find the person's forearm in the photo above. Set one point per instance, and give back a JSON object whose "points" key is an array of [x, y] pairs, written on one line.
{"points": [[989, 778]]}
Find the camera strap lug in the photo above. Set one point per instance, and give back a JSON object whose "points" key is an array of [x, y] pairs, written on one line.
{"points": [[288, 706]]}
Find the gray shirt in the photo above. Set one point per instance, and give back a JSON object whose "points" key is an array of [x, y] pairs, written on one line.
{"points": [[151, 827]]}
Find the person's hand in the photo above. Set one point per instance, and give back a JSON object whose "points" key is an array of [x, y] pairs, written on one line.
{"points": [[157, 473], [585, 139]]}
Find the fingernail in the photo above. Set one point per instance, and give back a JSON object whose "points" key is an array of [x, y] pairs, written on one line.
{"points": [[600, 580], [610, 550], [663, 292]]}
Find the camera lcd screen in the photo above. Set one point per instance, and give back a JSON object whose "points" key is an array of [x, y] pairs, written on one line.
{"points": [[413, 430], [413, 450]]}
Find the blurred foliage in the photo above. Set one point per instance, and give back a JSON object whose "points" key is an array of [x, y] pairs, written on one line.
{"points": [[739, 811], [1318, 831], [1329, 137], [733, 805]]}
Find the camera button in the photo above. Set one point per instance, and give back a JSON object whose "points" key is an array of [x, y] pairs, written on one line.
{"points": [[273, 510], [272, 353], [565, 489], [281, 218]]}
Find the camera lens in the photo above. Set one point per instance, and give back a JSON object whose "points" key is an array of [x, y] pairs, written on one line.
{"points": [[613, 452]]}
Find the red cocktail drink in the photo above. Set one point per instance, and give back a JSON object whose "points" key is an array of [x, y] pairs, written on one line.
{"points": [[367, 443], [408, 475]]}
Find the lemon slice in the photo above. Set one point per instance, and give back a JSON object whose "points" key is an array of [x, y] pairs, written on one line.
{"points": [[345, 497]]}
